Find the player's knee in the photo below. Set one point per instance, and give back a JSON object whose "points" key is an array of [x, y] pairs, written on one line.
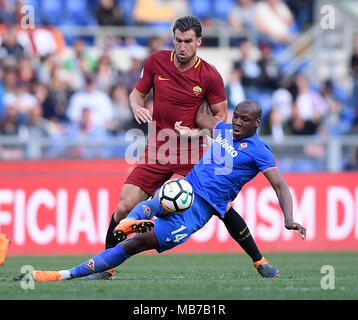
{"points": [[122, 210]]}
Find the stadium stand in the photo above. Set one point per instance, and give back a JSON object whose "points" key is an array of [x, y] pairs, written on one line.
{"points": [[43, 69]]}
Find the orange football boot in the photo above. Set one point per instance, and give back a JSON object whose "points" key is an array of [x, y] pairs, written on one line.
{"points": [[265, 270], [4, 245], [110, 271], [128, 226], [39, 275]]}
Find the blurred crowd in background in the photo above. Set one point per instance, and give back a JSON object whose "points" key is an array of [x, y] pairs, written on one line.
{"points": [[48, 94]]}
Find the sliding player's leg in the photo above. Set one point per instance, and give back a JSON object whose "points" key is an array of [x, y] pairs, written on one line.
{"points": [[109, 258], [174, 229], [139, 219], [168, 232], [240, 232], [130, 224]]}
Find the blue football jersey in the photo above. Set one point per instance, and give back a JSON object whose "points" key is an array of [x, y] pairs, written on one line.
{"points": [[228, 165]]}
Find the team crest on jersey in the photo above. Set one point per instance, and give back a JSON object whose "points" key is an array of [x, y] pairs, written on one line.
{"points": [[197, 90], [147, 211], [90, 265], [242, 145]]}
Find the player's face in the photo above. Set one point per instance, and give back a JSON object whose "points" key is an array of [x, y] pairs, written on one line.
{"points": [[185, 45], [244, 123]]}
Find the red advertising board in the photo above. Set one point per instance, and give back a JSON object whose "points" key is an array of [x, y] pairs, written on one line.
{"points": [[63, 207]]}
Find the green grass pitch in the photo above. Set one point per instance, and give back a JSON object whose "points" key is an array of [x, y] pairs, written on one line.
{"points": [[193, 277]]}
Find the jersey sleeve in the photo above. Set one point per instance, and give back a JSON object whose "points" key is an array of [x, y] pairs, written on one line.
{"points": [[265, 159], [146, 78], [215, 91]]}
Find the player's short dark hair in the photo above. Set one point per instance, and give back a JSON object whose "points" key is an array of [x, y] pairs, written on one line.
{"points": [[188, 23], [253, 105]]}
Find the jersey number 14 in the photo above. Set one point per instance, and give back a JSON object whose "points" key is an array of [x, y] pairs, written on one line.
{"points": [[179, 236]]}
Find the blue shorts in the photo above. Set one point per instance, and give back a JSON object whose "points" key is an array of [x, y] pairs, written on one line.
{"points": [[174, 229]]}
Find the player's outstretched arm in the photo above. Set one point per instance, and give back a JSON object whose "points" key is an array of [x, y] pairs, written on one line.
{"points": [[285, 200], [136, 102]]}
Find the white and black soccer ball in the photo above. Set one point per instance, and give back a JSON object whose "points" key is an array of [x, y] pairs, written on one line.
{"points": [[176, 195]]}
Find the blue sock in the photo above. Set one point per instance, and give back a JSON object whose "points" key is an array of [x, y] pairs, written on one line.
{"points": [[107, 259]]}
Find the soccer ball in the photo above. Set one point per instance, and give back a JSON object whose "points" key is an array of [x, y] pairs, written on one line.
{"points": [[176, 195]]}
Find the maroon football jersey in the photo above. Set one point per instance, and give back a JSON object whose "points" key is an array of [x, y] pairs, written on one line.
{"points": [[177, 95]]}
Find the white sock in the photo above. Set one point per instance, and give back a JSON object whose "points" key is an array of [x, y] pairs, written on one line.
{"points": [[65, 274]]}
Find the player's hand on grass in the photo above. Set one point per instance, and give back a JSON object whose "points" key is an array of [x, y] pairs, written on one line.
{"points": [[184, 130], [296, 226], [142, 115]]}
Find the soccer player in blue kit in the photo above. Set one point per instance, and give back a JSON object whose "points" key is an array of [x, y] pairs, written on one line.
{"points": [[235, 157]]}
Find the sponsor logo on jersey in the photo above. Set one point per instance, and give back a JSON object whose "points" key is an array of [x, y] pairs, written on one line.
{"points": [[90, 265], [197, 90], [161, 78], [226, 145], [146, 210]]}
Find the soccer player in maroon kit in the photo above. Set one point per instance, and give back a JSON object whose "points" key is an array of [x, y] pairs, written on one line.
{"points": [[181, 81]]}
